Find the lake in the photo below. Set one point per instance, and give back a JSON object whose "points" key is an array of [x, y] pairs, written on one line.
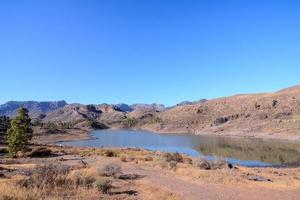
{"points": [[241, 151]]}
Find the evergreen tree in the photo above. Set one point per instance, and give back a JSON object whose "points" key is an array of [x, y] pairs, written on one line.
{"points": [[20, 132], [4, 125]]}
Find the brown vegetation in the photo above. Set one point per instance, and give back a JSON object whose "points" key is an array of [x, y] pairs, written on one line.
{"points": [[93, 175]]}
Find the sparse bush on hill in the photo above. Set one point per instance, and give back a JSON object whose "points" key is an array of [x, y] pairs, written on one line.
{"points": [[130, 122], [96, 125], [157, 120]]}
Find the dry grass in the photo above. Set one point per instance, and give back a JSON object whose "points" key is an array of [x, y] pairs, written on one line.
{"points": [[10, 190], [149, 192], [283, 179]]}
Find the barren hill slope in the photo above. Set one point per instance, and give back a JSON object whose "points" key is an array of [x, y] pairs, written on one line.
{"points": [[272, 113]]}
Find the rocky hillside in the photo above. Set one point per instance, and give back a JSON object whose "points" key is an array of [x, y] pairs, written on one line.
{"points": [[274, 113], [129, 108], [105, 115], [35, 108]]}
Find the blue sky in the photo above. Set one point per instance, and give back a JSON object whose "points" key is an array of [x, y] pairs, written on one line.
{"points": [[166, 51]]}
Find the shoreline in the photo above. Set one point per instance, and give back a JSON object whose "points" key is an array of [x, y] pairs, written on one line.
{"points": [[231, 134], [84, 134]]}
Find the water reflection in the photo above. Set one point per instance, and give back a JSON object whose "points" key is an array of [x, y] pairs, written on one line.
{"points": [[275, 152], [248, 152]]}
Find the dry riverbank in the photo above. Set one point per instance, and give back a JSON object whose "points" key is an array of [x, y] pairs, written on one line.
{"points": [[147, 175]]}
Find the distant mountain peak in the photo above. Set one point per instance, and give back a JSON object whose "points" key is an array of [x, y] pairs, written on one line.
{"points": [[35, 107]]}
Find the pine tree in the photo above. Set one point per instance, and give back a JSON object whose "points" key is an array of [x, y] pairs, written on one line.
{"points": [[4, 126], [20, 132]]}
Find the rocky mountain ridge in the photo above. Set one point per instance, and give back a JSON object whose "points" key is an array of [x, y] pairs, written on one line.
{"points": [[275, 114], [35, 108]]}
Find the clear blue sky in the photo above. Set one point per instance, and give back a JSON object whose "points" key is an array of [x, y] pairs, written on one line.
{"points": [[166, 51]]}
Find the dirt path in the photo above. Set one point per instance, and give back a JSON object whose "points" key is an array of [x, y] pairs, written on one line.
{"points": [[187, 188], [192, 190]]}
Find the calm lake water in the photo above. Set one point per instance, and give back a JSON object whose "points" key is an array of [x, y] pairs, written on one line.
{"points": [[247, 152]]}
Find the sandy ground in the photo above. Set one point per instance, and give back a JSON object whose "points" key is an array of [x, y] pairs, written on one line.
{"points": [[62, 135], [189, 187], [184, 182]]}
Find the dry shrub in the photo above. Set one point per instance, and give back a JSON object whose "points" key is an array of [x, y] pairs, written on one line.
{"points": [[110, 153], [130, 158], [202, 164], [173, 165], [40, 152], [187, 160], [148, 158], [220, 164], [215, 164], [86, 181], [173, 157], [123, 158], [51, 182], [10, 191], [47, 177], [110, 170], [103, 185], [162, 163]]}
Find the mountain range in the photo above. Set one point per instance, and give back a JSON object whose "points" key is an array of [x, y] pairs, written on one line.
{"points": [[35, 108], [276, 114]]}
